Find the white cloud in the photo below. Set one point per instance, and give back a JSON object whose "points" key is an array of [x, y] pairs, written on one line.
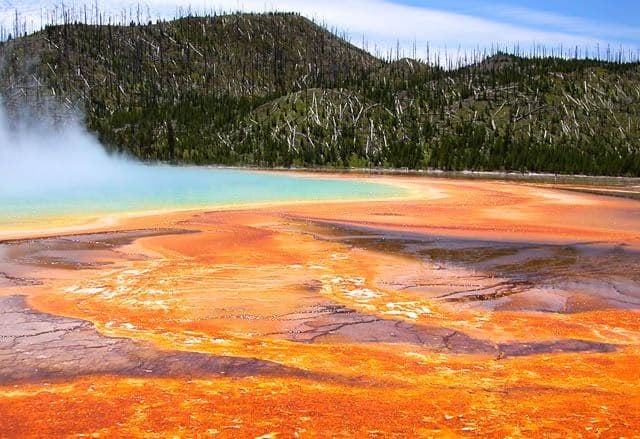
{"points": [[572, 24], [384, 23]]}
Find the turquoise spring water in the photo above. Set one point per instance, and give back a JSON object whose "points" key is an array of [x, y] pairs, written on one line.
{"points": [[140, 188], [55, 170]]}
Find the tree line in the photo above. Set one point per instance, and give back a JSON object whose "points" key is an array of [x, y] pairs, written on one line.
{"points": [[278, 90]]}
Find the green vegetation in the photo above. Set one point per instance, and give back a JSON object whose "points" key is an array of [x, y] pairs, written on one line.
{"points": [[278, 90]]}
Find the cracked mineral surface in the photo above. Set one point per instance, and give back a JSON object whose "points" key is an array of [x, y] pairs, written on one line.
{"points": [[470, 308], [40, 347]]}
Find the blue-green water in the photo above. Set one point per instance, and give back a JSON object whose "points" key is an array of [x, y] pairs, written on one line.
{"points": [[139, 188], [53, 172]]}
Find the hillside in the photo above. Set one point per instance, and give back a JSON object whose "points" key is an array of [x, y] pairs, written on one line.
{"points": [[279, 90]]}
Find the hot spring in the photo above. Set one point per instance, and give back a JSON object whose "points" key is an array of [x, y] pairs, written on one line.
{"points": [[65, 172]]}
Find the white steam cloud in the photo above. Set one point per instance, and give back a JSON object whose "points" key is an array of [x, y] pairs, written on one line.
{"points": [[39, 158], [50, 170]]}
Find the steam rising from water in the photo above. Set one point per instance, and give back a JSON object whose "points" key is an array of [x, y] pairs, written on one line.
{"points": [[48, 171], [37, 158]]}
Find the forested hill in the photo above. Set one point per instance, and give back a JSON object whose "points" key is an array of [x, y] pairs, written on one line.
{"points": [[279, 90]]}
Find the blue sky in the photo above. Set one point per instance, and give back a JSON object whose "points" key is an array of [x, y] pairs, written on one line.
{"points": [[595, 18], [615, 11], [451, 27]]}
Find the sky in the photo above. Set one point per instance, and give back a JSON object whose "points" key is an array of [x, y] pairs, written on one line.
{"points": [[448, 27]]}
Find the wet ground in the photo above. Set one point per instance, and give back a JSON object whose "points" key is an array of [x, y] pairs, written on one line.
{"points": [[504, 275], [39, 347], [483, 308], [631, 191], [74, 252]]}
